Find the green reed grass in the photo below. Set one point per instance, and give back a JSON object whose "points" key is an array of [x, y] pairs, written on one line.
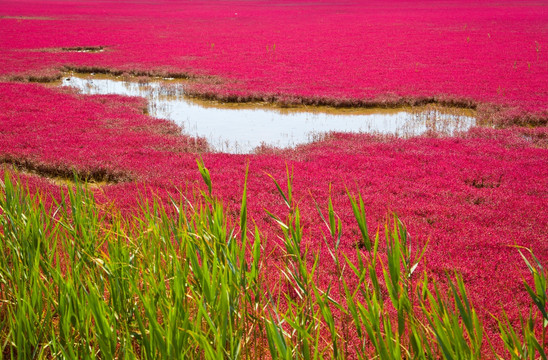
{"points": [[184, 280]]}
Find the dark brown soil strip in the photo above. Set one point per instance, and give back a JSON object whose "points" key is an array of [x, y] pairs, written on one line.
{"points": [[65, 175]]}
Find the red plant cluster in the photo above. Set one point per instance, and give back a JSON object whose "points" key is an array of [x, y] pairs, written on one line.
{"points": [[56, 133], [318, 52], [472, 196]]}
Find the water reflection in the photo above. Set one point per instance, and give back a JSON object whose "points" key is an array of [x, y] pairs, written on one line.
{"points": [[237, 128]]}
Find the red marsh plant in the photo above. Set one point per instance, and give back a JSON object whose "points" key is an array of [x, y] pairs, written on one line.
{"points": [[490, 55]]}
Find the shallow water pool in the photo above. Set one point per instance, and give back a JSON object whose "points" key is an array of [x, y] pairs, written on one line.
{"points": [[241, 128]]}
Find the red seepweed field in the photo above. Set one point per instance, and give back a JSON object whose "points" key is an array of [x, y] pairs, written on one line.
{"points": [[470, 198]]}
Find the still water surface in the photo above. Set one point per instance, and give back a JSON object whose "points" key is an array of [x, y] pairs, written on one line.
{"points": [[236, 128]]}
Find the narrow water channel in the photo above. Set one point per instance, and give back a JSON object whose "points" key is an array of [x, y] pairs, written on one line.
{"points": [[236, 128]]}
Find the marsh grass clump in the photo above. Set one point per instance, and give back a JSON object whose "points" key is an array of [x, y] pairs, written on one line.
{"points": [[184, 280]]}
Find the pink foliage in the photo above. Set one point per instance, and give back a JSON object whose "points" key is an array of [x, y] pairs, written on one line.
{"points": [[336, 53], [57, 133]]}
